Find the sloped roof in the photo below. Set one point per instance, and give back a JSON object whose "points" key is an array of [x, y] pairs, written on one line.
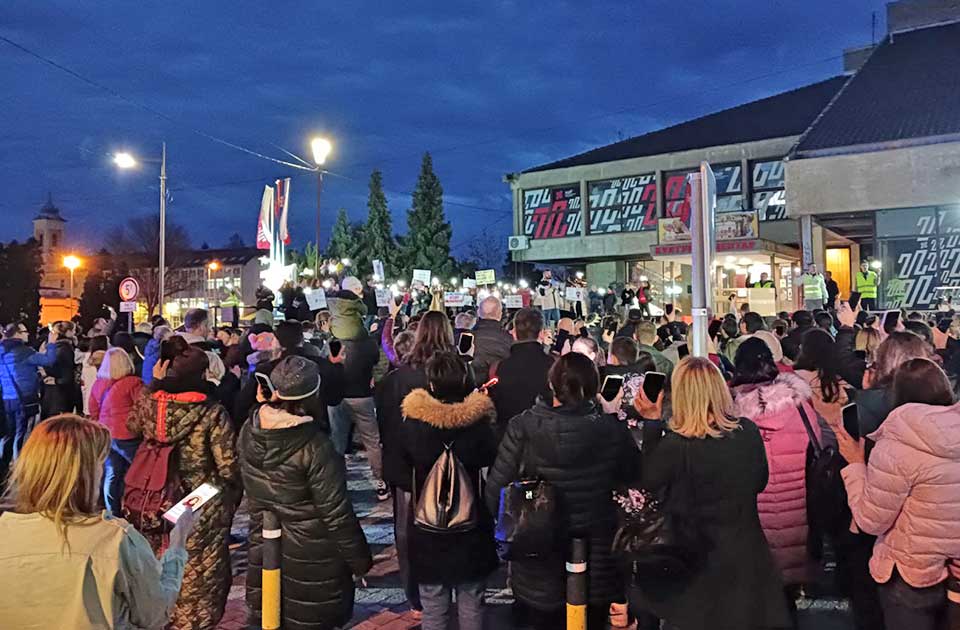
{"points": [[781, 115], [909, 88]]}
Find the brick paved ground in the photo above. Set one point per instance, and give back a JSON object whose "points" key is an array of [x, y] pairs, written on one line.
{"points": [[382, 605]]}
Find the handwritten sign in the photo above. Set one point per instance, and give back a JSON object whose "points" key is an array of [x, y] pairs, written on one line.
{"points": [[378, 269], [422, 276], [469, 283], [575, 294], [513, 301], [384, 297], [453, 299], [316, 300], [487, 276]]}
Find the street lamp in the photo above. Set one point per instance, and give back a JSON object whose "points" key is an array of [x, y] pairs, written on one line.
{"points": [[321, 148], [127, 161], [71, 262]]}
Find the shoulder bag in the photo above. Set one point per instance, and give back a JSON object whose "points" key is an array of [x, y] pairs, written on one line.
{"points": [[827, 508]]}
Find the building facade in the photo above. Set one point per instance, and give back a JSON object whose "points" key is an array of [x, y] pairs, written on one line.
{"points": [[863, 164]]}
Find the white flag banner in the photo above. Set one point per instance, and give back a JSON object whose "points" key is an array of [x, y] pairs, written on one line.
{"points": [[264, 229], [283, 205]]}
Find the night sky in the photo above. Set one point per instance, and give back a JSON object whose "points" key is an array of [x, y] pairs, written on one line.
{"points": [[488, 87]]}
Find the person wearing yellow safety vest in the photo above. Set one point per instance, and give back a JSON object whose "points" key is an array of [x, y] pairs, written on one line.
{"points": [[814, 289], [866, 283], [233, 301]]}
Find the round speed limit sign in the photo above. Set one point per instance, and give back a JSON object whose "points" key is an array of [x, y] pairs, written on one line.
{"points": [[129, 289]]}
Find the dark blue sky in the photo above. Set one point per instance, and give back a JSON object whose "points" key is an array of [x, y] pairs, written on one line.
{"points": [[489, 87]]}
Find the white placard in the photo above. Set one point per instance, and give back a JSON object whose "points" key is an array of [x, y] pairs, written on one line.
{"points": [[575, 294], [513, 301], [384, 297], [316, 300], [128, 307], [378, 270], [422, 276], [467, 299], [451, 298], [469, 283], [486, 276]]}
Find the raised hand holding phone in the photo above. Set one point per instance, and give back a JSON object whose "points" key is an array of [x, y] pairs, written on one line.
{"points": [[182, 530]]}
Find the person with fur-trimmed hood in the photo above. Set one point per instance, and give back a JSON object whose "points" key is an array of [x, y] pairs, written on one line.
{"points": [[449, 414], [773, 402]]}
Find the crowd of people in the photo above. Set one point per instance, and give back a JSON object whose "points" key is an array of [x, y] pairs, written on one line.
{"points": [[710, 492]]}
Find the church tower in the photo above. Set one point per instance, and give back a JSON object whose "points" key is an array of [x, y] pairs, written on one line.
{"points": [[48, 227]]}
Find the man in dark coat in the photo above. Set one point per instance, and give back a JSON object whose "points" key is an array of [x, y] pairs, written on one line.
{"points": [[490, 341], [523, 375], [290, 467]]}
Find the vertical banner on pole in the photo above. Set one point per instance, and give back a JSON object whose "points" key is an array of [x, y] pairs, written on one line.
{"points": [[703, 199]]}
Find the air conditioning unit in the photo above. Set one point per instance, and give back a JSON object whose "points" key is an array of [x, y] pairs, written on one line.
{"points": [[518, 243]]}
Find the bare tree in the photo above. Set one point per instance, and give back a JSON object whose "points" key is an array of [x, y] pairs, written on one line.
{"points": [[483, 251], [139, 243]]}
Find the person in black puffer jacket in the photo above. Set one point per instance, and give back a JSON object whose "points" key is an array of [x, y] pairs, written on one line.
{"points": [[443, 562], [61, 390], [584, 454], [290, 467]]}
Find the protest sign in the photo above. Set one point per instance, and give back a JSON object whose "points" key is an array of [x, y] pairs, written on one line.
{"points": [[422, 276], [486, 276], [384, 297], [513, 301], [316, 300], [453, 299]]}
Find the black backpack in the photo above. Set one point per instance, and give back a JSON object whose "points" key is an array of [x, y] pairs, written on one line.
{"points": [[827, 508]]}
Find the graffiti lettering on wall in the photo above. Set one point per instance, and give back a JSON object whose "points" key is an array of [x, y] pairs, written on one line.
{"points": [[627, 204], [918, 265], [552, 212], [769, 199]]}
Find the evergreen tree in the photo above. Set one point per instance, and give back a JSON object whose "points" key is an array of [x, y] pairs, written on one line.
{"points": [[21, 269], [99, 290], [343, 240], [427, 245], [378, 241], [235, 241]]}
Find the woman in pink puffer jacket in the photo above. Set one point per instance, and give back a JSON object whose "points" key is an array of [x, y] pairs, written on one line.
{"points": [[909, 495], [771, 401]]}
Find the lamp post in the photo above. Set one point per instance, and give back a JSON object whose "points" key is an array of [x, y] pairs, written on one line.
{"points": [[212, 266], [71, 262], [126, 161], [321, 148]]}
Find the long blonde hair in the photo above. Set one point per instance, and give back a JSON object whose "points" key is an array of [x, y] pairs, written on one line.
{"points": [[702, 405], [59, 469], [868, 341], [116, 364]]}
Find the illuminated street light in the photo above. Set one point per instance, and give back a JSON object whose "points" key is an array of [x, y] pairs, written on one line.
{"points": [[321, 148], [71, 262], [213, 266], [124, 160]]}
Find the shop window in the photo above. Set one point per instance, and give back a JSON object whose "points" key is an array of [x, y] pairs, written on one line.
{"points": [[552, 212], [767, 182], [626, 204]]}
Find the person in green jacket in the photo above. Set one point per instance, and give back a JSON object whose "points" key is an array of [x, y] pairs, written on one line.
{"points": [[866, 283]]}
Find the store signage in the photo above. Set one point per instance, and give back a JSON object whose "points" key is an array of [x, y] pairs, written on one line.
{"points": [[552, 212], [684, 249], [625, 204]]}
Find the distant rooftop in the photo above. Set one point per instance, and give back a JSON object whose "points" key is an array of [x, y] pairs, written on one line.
{"points": [[781, 115], [909, 89]]}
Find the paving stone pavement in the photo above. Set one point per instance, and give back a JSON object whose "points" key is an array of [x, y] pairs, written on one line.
{"points": [[382, 606]]}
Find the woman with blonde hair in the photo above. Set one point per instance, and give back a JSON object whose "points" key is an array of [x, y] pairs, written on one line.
{"points": [[868, 342], [714, 466], [111, 399], [65, 564]]}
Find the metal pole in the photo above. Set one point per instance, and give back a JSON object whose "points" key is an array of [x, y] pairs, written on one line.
{"points": [[270, 573], [163, 229], [577, 585], [703, 199], [71, 283], [316, 264]]}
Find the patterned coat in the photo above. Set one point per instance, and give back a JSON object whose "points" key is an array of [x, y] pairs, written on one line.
{"points": [[205, 453]]}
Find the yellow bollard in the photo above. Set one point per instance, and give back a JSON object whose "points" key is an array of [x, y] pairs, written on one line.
{"points": [[577, 585], [270, 573]]}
